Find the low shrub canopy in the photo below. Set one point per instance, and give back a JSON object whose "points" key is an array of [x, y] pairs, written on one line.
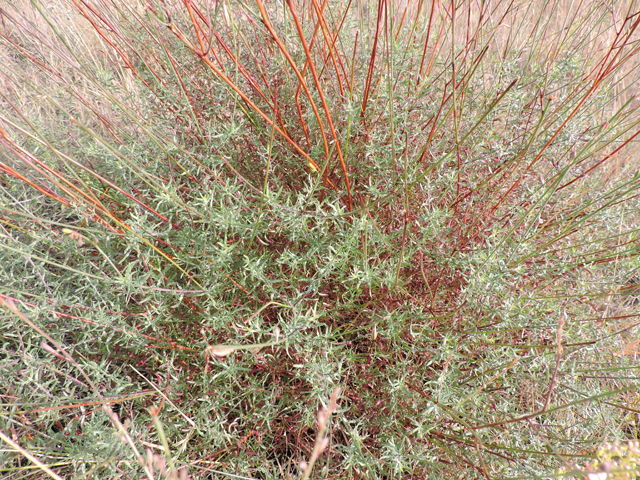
{"points": [[227, 211]]}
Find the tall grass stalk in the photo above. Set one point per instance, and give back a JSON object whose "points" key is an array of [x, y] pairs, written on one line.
{"points": [[222, 212]]}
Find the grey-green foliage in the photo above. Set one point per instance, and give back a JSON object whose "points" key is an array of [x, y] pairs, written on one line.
{"points": [[435, 303]]}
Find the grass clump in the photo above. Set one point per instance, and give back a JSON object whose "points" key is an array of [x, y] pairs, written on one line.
{"points": [[316, 239]]}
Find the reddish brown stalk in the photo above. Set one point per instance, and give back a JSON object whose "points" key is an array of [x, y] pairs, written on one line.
{"points": [[404, 15], [426, 41], [620, 48], [98, 30], [108, 401], [42, 190], [198, 12], [261, 64], [607, 157], [207, 22], [66, 186], [259, 111], [196, 27], [324, 104], [30, 160], [330, 44], [559, 130], [186, 92], [215, 55], [412, 33], [211, 34], [8, 170], [303, 123], [372, 61], [591, 89], [333, 45], [91, 200], [435, 124], [122, 55], [461, 84], [435, 50], [246, 99], [284, 51], [245, 73]]}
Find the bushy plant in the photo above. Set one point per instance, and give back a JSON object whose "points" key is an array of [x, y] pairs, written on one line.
{"points": [[239, 218]]}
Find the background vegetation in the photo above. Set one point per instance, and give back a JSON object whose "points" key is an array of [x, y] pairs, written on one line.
{"points": [[328, 239]]}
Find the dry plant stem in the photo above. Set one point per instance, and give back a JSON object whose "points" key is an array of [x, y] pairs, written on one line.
{"points": [[330, 44], [124, 227], [126, 438], [459, 418], [10, 305], [163, 438], [559, 350], [489, 382], [321, 440], [193, 111], [247, 76], [65, 158], [334, 47], [611, 393], [28, 455], [108, 400], [599, 78], [164, 396]]}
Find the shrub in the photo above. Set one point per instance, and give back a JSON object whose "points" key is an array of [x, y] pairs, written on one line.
{"points": [[226, 211]]}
